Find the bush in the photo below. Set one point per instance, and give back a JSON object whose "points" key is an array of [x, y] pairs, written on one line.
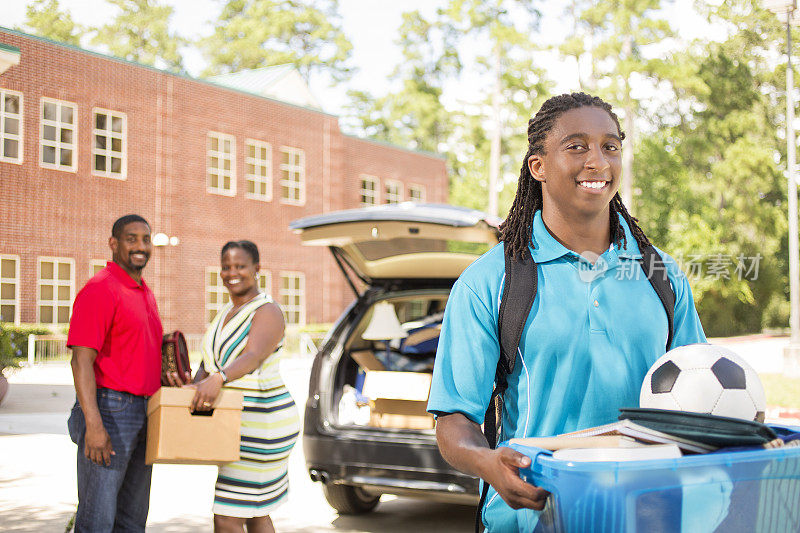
{"points": [[18, 337], [7, 352]]}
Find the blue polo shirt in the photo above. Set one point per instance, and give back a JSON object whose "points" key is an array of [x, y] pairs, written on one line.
{"points": [[592, 334]]}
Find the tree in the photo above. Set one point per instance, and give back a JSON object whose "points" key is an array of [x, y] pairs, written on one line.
{"points": [[46, 19], [414, 114], [616, 38], [516, 85], [715, 191], [140, 32], [258, 33], [475, 136]]}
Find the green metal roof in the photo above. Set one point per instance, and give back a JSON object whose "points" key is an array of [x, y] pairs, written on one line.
{"points": [[8, 48]]}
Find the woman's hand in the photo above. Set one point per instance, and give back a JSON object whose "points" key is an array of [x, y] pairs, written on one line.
{"points": [[206, 392]]}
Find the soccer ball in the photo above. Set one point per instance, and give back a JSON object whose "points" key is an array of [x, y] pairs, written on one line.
{"points": [[704, 378]]}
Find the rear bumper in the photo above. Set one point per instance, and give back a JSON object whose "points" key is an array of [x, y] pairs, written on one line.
{"points": [[381, 466]]}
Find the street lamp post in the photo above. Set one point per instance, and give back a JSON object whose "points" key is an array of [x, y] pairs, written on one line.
{"points": [[791, 353]]}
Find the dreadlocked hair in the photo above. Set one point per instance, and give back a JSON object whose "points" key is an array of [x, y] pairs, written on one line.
{"points": [[515, 231]]}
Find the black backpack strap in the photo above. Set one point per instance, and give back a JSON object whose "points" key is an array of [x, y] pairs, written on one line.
{"points": [[519, 292], [656, 272]]}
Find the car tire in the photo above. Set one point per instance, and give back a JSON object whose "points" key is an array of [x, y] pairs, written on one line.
{"points": [[348, 500]]}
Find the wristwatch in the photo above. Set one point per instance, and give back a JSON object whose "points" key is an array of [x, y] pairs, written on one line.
{"points": [[224, 376]]}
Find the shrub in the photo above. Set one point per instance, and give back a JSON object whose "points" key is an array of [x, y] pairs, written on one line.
{"points": [[8, 356], [18, 337]]}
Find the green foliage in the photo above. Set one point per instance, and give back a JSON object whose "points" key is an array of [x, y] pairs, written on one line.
{"points": [[415, 114], [7, 353], [46, 19], [140, 32], [17, 337], [258, 33], [710, 184]]}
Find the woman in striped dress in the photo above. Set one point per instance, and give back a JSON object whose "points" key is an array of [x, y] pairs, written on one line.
{"points": [[239, 352]]}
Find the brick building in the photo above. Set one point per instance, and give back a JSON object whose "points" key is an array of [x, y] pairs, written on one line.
{"points": [[85, 138]]}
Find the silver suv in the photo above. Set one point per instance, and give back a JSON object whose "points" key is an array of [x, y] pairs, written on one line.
{"points": [[366, 432]]}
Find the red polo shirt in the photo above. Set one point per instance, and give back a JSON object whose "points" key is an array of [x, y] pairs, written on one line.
{"points": [[119, 318]]}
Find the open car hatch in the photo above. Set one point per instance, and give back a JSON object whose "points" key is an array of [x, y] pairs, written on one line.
{"points": [[402, 241]]}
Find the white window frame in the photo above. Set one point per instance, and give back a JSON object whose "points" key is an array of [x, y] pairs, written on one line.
{"points": [[56, 283], [15, 281], [258, 163], [219, 290], [299, 169], [364, 193], [387, 195], [265, 282], [95, 263], [11, 136], [107, 152], [58, 144], [221, 156], [282, 293], [420, 188]]}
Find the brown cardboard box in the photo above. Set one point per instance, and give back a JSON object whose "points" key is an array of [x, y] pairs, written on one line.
{"points": [[366, 359], [398, 399], [176, 435]]}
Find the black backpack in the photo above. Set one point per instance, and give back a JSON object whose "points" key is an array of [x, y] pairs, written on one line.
{"points": [[519, 291]]}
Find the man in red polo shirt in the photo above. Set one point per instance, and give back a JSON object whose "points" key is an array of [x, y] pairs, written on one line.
{"points": [[115, 335]]}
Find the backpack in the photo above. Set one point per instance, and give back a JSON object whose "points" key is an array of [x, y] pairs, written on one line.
{"points": [[519, 292]]}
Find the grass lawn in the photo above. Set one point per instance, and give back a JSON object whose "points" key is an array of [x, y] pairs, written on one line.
{"points": [[781, 390]]}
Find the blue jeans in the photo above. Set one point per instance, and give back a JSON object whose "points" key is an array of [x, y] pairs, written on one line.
{"points": [[115, 497]]}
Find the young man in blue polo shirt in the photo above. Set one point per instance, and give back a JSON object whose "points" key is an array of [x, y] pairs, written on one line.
{"points": [[596, 324]]}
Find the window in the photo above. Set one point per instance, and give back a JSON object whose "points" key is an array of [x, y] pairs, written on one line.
{"points": [[394, 192], [293, 298], [9, 288], [56, 285], [293, 171], [109, 144], [265, 282], [416, 193], [59, 131], [10, 126], [96, 265], [370, 189], [258, 170], [221, 171], [216, 293]]}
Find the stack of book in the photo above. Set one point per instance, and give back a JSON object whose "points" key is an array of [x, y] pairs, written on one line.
{"points": [[619, 441]]}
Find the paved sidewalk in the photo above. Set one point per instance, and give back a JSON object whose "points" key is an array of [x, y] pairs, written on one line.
{"points": [[37, 473], [37, 470]]}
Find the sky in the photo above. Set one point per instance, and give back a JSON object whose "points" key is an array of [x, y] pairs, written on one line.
{"points": [[371, 25]]}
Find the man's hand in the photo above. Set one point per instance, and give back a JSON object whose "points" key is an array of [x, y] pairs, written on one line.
{"points": [[502, 473], [97, 446], [463, 445], [176, 380]]}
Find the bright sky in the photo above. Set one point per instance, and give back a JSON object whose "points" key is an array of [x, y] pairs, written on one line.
{"points": [[371, 25]]}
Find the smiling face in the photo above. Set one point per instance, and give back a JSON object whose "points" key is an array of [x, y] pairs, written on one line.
{"points": [[132, 249], [581, 164], [238, 271]]}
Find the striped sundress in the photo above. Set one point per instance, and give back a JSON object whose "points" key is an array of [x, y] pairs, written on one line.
{"points": [[257, 483]]}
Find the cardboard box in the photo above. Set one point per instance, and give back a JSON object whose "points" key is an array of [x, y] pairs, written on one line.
{"points": [[176, 435], [398, 399], [366, 359]]}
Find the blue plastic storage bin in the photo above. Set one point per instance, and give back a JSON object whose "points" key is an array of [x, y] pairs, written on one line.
{"points": [[744, 491]]}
